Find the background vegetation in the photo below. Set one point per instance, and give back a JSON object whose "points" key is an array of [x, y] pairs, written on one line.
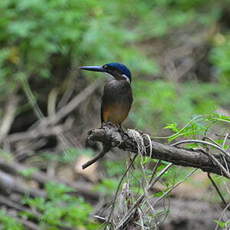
{"points": [[179, 55]]}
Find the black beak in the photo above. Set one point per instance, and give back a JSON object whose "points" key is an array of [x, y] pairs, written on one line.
{"points": [[93, 68]]}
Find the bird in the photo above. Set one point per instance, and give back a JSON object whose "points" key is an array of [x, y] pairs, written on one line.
{"points": [[117, 96]]}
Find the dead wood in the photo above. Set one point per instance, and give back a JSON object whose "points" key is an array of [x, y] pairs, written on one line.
{"points": [[48, 126], [82, 188], [9, 115], [178, 156], [9, 184]]}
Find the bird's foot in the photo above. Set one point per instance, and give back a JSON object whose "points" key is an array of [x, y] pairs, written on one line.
{"points": [[108, 124], [121, 129]]}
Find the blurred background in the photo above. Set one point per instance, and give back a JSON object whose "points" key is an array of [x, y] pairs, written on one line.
{"points": [[179, 54]]}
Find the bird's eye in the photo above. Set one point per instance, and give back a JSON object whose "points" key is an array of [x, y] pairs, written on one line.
{"points": [[105, 66]]}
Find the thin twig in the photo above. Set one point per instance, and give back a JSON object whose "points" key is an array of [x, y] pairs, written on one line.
{"points": [[8, 116], [178, 156], [176, 185], [105, 149], [225, 139], [227, 174], [118, 188], [205, 143], [217, 189], [222, 214], [75, 102], [140, 199]]}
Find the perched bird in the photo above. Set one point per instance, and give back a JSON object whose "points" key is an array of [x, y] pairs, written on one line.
{"points": [[117, 97]]}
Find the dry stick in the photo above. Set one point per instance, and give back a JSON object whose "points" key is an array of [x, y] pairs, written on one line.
{"points": [[8, 116], [153, 174], [176, 185], [152, 177], [225, 139], [173, 187], [212, 157], [35, 133], [210, 178], [100, 218], [151, 184], [43, 128], [205, 143], [214, 142], [220, 165], [140, 146], [155, 170], [31, 98], [75, 102], [227, 174], [217, 189], [17, 168], [142, 197], [9, 184], [118, 188], [178, 156], [12, 204], [105, 149], [210, 139], [221, 216], [139, 200], [209, 155], [140, 213]]}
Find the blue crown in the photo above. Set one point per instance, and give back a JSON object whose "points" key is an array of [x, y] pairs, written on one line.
{"points": [[122, 68]]}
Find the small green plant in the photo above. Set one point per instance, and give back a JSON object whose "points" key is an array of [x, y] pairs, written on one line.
{"points": [[220, 57], [60, 209], [222, 224], [28, 172], [7, 222], [159, 102]]}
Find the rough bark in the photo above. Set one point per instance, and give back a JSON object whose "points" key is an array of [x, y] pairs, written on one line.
{"points": [[110, 135]]}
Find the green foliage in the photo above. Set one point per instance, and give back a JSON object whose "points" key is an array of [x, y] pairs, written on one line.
{"points": [[7, 222], [38, 35], [193, 128], [220, 56], [222, 224], [61, 209], [34, 32], [199, 126], [115, 167], [107, 185], [28, 172], [162, 101]]}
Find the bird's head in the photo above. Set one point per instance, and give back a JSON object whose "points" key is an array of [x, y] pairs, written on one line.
{"points": [[117, 70]]}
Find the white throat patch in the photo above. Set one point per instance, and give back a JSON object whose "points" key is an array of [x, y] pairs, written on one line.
{"points": [[126, 78]]}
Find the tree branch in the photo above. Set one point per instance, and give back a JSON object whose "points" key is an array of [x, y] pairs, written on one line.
{"points": [[178, 156]]}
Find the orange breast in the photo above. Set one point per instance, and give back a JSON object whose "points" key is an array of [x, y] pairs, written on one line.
{"points": [[115, 113]]}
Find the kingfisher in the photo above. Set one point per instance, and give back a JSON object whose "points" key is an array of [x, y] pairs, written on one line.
{"points": [[117, 96]]}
